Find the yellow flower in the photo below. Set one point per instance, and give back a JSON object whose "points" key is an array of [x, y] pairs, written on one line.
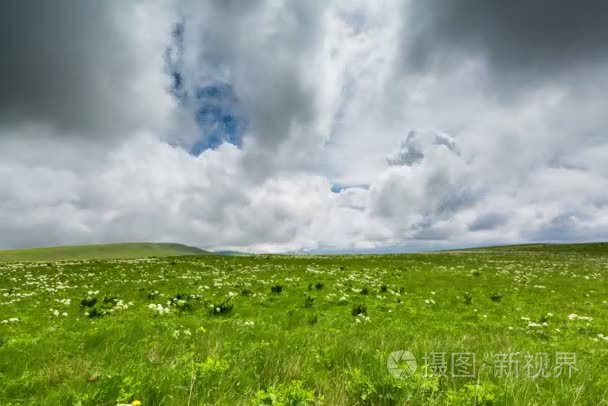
{"points": [[136, 403]]}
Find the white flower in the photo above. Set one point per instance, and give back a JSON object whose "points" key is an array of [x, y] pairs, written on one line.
{"points": [[159, 309], [577, 317]]}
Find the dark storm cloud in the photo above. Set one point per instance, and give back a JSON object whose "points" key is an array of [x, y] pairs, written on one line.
{"points": [[518, 38], [488, 221], [72, 66]]}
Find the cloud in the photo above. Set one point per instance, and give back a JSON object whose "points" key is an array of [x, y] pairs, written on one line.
{"points": [[242, 125], [518, 39], [269, 53], [206, 200], [413, 148], [91, 69]]}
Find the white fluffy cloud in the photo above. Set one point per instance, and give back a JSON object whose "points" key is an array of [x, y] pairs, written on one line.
{"points": [[438, 157]]}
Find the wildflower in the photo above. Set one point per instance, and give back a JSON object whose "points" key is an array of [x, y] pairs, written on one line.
{"points": [[159, 309], [577, 317], [136, 403], [362, 317]]}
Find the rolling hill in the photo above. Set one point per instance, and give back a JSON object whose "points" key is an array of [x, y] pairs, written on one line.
{"points": [[548, 248], [100, 251]]}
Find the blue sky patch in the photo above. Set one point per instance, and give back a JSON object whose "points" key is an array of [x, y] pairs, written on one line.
{"points": [[337, 187], [217, 117], [214, 105]]}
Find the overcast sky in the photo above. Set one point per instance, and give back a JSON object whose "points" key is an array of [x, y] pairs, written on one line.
{"points": [[303, 125]]}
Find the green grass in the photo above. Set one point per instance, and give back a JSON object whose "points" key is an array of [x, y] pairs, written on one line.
{"points": [[99, 251], [303, 330], [580, 248]]}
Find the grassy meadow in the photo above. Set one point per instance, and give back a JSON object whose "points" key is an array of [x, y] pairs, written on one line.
{"points": [[100, 251], [496, 326]]}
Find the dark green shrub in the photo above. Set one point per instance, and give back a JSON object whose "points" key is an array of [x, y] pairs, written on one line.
{"points": [[359, 309]]}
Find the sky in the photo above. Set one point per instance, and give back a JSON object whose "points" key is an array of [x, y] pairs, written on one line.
{"points": [[303, 126]]}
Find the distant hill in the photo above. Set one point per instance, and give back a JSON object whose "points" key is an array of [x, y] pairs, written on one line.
{"points": [[100, 251], [578, 248], [232, 253]]}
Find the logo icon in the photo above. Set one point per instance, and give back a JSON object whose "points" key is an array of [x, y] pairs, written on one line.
{"points": [[401, 364]]}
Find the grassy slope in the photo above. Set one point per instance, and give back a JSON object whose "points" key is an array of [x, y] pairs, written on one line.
{"points": [[315, 346], [579, 248], [100, 251]]}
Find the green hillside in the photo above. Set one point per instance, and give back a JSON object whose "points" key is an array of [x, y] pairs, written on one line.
{"points": [[100, 251], [579, 248]]}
